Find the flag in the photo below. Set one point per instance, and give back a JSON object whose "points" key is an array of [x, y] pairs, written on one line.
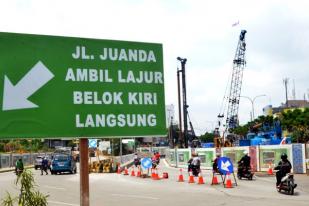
{"points": [[235, 24]]}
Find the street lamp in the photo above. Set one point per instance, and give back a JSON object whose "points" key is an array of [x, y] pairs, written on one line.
{"points": [[252, 103]]}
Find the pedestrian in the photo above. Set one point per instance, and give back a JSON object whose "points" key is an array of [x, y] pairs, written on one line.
{"points": [[19, 166], [44, 166]]}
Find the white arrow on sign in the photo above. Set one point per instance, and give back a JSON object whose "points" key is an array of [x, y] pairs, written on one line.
{"points": [[225, 165], [16, 97]]}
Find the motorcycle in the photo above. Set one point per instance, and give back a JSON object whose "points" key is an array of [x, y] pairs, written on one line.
{"points": [[244, 172], [287, 184]]}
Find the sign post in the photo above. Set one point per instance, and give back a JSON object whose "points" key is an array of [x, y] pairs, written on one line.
{"points": [[84, 173], [53, 87]]}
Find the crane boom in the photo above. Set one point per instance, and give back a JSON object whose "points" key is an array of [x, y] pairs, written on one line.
{"points": [[239, 64]]}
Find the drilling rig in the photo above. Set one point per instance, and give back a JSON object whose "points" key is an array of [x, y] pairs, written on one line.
{"points": [[231, 121]]}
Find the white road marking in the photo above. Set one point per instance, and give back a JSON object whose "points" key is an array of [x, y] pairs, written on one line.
{"points": [[136, 196], [56, 188], [62, 203]]}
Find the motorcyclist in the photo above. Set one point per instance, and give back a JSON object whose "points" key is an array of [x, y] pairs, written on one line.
{"points": [[244, 164], [194, 164], [137, 160], [284, 167], [19, 166], [215, 163], [155, 160]]}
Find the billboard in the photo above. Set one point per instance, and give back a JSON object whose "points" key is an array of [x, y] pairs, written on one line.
{"points": [[53, 86]]}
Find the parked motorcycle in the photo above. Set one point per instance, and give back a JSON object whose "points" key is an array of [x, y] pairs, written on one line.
{"points": [[287, 184]]}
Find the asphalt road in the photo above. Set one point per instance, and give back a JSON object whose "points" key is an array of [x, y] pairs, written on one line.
{"points": [[120, 190]]}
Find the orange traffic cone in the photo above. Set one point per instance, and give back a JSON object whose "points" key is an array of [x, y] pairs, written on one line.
{"points": [[153, 173], [119, 169], [270, 170], [180, 177], [214, 180], [126, 171], [200, 179], [191, 178], [228, 181], [156, 175], [132, 172], [138, 171]]}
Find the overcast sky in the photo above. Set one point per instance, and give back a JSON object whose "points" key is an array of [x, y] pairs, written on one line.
{"points": [[201, 31]]}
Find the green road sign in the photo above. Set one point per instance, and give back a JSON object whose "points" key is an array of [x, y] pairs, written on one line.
{"points": [[76, 87]]}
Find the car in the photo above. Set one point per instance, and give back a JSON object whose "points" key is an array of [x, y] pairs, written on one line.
{"points": [[38, 161], [63, 163]]}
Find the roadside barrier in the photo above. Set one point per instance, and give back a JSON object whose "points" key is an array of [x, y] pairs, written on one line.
{"points": [[180, 177]]}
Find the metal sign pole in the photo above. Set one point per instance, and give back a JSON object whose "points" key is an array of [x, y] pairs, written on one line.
{"points": [[84, 172]]}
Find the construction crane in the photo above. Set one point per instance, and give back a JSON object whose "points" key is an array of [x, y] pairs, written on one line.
{"points": [[233, 98]]}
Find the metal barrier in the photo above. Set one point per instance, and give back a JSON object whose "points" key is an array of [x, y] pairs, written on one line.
{"points": [[9, 160]]}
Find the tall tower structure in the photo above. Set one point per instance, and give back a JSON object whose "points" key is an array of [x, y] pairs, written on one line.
{"points": [[239, 64]]}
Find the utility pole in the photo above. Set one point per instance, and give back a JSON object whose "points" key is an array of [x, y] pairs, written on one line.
{"points": [[184, 99], [285, 82], [181, 140]]}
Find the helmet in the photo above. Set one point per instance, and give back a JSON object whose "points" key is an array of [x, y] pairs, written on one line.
{"points": [[284, 156], [245, 152]]}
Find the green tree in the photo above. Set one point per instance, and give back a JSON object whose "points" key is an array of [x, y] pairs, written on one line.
{"points": [[207, 137], [28, 195]]}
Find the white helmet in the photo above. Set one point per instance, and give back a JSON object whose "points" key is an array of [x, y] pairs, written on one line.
{"points": [[245, 152]]}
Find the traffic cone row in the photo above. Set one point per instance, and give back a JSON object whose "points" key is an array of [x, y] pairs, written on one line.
{"points": [[155, 176]]}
